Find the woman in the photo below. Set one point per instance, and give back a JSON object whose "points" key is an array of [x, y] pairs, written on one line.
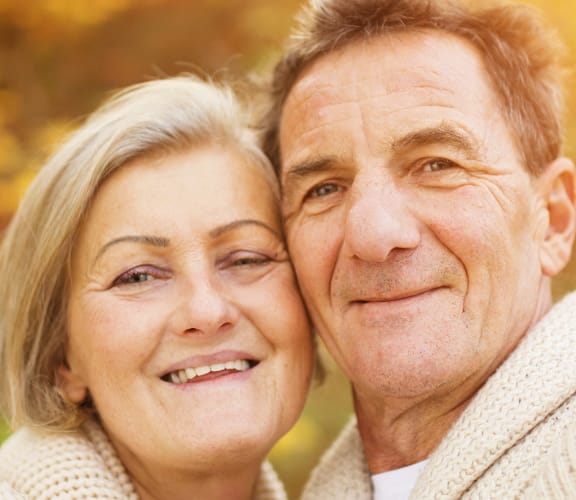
{"points": [[152, 340]]}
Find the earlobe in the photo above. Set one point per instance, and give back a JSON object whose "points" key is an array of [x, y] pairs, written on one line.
{"points": [[71, 385], [558, 189]]}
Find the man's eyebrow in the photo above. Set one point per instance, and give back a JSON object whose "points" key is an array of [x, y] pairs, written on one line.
{"points": [[443, 134], [156, 241], [220, 230], [307, 167]]}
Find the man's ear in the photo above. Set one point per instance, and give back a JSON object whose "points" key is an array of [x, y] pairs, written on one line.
{"points": [[558, 190], [71, 385]]}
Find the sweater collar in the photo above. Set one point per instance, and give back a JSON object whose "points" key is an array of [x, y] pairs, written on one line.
{"points": [[536, 379], [533, 382]]}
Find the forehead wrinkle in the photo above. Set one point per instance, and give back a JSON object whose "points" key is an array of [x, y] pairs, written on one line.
{"points": [[314, 98], [329, 123], [303, 148]]}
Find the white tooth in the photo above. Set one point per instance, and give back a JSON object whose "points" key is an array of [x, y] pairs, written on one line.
{"points": [[244, 365], [218, 367], [202, 370], [182, 376], [230, 365], [241, 365], [174, 377], [190, 373]]}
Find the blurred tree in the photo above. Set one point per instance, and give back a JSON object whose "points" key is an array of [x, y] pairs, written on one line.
{"points": [[59, 58]]}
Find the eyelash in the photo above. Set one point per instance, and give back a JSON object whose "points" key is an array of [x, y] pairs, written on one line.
{"points": [[127, 277], [447, 164], [313, 193], [250, 260]]}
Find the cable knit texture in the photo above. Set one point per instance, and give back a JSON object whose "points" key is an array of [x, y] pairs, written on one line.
{"points": [[40, 465], [557, 480], [516, 439]]}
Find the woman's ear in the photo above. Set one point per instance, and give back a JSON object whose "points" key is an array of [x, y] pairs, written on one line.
{"points": [[71, 385], [558, 190]]}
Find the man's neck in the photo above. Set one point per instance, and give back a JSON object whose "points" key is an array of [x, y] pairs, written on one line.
{"points": [[399, 433]]}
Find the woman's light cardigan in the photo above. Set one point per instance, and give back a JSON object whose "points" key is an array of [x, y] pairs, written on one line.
{"points": [[37, 465], [516, 439]]}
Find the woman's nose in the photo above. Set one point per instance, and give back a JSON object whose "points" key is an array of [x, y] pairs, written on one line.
{"points": [[204, 308]]}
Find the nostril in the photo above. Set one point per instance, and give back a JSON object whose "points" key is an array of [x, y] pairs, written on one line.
{"points": [[193, 330], [227, 325], [224, 327]]}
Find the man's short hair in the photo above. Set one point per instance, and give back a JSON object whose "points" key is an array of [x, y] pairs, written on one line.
{"points": [[523, 60]]}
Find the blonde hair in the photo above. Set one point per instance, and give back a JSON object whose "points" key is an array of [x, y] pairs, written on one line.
{"points": [[521, 57], [156, 117]]}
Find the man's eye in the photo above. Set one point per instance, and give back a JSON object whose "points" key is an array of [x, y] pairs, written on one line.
{"points": [[437, 164], [323, 190]]}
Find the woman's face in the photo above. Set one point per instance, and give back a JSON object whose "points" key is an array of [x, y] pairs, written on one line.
{"points": [[184, 320]]}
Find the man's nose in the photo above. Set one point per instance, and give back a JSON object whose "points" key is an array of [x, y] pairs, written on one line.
{"points": [[379, 220]]}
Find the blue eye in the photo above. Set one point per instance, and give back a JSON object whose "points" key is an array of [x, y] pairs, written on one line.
{"points": [[323, 190]]}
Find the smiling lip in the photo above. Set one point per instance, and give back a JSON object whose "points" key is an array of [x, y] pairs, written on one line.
{"points": [[199, 368], [398, 297]]}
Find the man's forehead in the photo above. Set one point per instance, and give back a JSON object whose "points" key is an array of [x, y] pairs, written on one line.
{"points": [[386, 89], [356, 69]]}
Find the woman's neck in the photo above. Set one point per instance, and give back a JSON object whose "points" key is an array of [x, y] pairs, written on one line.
{"points": [[239, 484]]}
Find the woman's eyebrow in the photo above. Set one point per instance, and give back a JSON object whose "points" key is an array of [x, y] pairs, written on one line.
{"points": [[157, 241], [218, 231]]}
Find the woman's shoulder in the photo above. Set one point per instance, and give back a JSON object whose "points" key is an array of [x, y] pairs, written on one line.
{"points": [[33, 461], [9, 493], [31, 447], [42, 464]]}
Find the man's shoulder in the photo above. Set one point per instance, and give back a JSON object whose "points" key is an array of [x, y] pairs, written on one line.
{"points": [[557, 477], [342, 472], [514, 419]]}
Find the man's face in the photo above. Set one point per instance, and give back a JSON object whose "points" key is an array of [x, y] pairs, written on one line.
{"points": [[414, 229]]}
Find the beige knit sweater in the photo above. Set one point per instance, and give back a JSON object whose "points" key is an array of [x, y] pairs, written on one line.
{"points": [[557, 478], [37, 465], [516, 439]]}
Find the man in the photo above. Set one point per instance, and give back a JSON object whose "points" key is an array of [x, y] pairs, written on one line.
{"points": [[427, 205]]}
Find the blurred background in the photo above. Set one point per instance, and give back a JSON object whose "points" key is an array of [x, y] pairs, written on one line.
{"points": [[60, 58]]}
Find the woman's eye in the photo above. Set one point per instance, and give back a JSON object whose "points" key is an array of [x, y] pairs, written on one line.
{"points": [[135, 276], [254, 260], [437, 164], [246, 267], [323, 190]]}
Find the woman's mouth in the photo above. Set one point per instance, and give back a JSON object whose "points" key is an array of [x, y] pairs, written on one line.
{"points": [[206, 372]]}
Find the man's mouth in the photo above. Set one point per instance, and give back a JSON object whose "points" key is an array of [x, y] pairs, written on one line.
{"points": [[205, 372], [398, 297]]}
